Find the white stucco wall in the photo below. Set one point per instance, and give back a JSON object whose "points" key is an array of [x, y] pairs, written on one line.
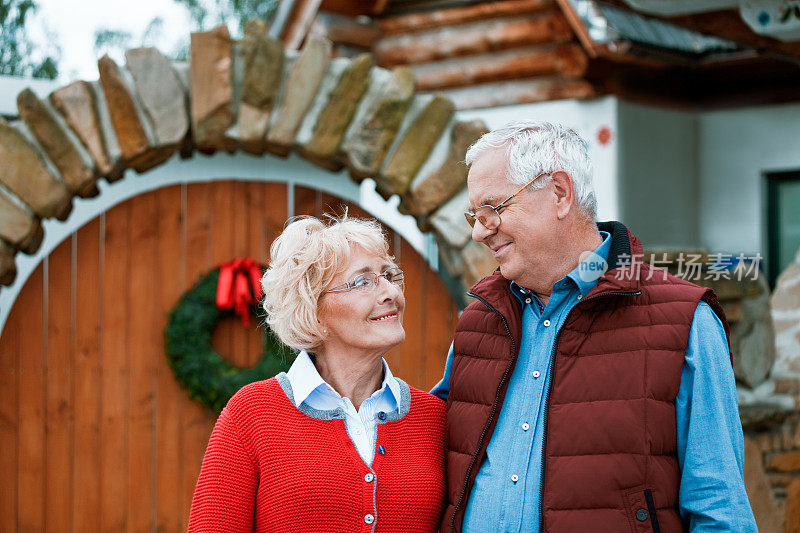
{"points": [[737, 147], [658, 174], [586, 117]]}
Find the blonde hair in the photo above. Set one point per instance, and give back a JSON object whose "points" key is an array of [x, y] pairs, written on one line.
{"points": [[303, 261]]}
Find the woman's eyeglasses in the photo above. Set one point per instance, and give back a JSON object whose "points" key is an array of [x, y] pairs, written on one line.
{"points": [[369, 280]]}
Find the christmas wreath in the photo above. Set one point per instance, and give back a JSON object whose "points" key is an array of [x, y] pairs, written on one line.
{"points": [[232, 288]]}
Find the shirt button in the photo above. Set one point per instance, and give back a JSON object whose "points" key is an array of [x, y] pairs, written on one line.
{"points": [[382, 415], [368, 478], [369, 519], [514, 478], [381, 449], [527, 300], [536, 374], [525, 426], [641, 515], [546, 323]]}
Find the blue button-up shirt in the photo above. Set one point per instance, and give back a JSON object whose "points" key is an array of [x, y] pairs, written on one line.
{"points": [[506, 493]]}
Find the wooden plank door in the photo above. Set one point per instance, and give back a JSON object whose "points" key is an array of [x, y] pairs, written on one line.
{"points": [[96, 433]]}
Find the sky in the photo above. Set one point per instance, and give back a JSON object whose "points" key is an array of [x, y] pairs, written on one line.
{"points": [[73, 23]]}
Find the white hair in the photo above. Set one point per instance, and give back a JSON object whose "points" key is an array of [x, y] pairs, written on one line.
{"points": [[535, 147], [303, 262]]}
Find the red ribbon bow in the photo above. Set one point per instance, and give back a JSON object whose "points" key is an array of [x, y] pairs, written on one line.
{"points": [[239, 286]]}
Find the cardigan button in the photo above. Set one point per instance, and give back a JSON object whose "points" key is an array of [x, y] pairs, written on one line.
{"points": [[368, 478], [369, 519], [641, 515], [381, 449], [382, 415]]}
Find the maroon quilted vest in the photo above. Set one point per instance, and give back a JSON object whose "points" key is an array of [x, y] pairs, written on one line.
{"points": [[610, 437]]}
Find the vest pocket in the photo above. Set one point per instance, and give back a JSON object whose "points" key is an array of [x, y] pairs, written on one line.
{"points": [[641, 510], [651, 509]]}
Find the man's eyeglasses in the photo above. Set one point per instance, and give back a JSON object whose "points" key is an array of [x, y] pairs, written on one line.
{"points": [[488, 215], [369, 280]]}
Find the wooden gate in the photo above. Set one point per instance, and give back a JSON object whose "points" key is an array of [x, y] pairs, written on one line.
{"points": [[95, 432]]}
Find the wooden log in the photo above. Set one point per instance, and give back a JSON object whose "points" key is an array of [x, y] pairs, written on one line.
{"points": [[566, 59], [475, 38], [520, 92], [460, 15]]}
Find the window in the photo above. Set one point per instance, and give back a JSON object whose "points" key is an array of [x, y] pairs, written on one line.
{"points": [[783, 221]]}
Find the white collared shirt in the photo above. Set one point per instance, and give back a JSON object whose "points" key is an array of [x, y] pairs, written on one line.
{"points": [[310, 389]]}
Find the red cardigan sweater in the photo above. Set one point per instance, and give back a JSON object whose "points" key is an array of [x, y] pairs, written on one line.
{"points": [[271, 467]]}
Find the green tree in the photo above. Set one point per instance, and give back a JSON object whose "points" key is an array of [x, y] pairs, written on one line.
{"points": [[207, 14], [19, 55]]}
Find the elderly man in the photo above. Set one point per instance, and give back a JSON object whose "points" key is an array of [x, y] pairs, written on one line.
{"points": [[587, 392]]}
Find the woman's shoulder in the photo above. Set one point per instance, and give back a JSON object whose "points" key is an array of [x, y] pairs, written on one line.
{"points": [[426, 401], [258, 393]]}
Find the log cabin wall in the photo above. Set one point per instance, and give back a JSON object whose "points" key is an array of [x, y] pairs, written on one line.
{"points": [[97, 434]]}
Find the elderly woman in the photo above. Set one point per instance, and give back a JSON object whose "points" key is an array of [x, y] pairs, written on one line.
{"points": [[337, 443]]}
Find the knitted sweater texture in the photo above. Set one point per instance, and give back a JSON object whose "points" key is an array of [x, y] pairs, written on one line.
{"points": [[271, 467]]}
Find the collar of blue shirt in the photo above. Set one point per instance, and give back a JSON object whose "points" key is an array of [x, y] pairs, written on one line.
{"points": [[308, 384], [583, 275]]}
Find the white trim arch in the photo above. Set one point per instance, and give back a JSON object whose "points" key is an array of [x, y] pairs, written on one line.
{"points": [[293, 170]]}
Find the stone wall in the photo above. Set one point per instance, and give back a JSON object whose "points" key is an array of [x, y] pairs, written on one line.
{"points": [[767, 373], [248, 95]]}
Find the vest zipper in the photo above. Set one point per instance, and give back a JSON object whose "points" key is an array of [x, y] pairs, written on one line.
{"points": [[550, 388], [494, 406]]}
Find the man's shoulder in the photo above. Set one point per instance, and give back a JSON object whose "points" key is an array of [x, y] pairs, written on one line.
{"points": [[653, 277]]}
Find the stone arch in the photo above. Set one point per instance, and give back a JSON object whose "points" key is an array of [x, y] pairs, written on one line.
{"points": [[248, 95]]}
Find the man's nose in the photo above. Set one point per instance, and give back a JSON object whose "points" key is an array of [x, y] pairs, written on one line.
{"points": [[479, 232]]}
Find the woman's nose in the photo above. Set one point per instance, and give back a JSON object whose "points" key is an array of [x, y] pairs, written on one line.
{"points": [[387, 290]]}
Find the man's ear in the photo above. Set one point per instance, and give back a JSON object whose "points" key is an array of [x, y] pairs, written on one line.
{"points": [[562, 186]]}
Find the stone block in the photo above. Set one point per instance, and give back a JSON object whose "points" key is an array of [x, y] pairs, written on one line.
{"points": [[753, 339], [759, 491], [211, 94], [62, 147], [789, 386], [161, 94], [792, 506], [371, 137], [26, 174], [8, 268], [451, 259], [18, 226], [785, 462], [77, 104], [732, 289], [130, 132], [109, 133], [478, 262], [733, 311], [415, 146], [760, 416], [433, 190], [785, 304], [780, 480], [335, 117], [262, 59], [449, 223], [753, 352], [299, 92], [181, 69]]}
